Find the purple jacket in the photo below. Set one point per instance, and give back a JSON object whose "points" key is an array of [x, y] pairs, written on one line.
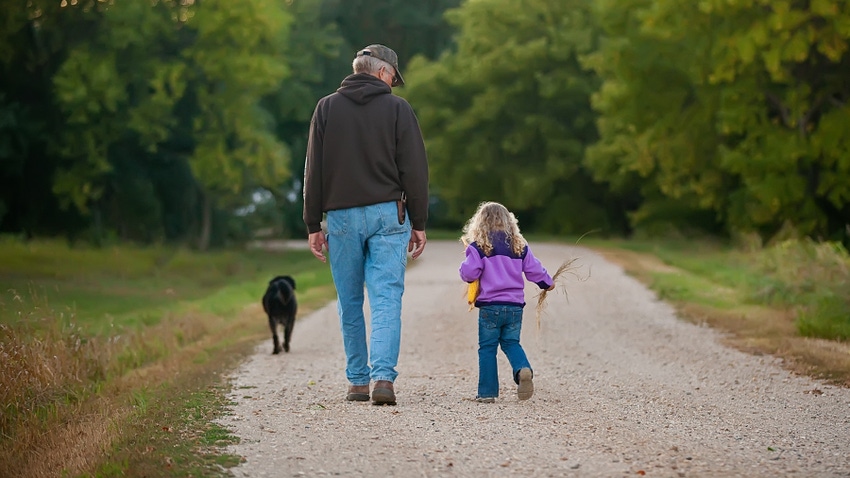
{"points": [[500, 273]]}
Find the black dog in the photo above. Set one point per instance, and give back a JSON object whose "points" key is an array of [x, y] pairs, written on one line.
{"points": [[280, 305]]}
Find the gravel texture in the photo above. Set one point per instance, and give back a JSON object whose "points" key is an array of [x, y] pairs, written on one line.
{"points": [[622, 388]]}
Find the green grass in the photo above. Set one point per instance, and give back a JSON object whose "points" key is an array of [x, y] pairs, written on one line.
{"points": [[811, 278], [722, 278], [175, 436], [689, 287], [128, 287]]}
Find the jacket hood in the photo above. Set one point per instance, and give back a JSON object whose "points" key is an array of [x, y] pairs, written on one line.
{"points": [[362, 88]]}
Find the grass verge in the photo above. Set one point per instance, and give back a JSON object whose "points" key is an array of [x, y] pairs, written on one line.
{"points": [[132, 393], [764, 299]]}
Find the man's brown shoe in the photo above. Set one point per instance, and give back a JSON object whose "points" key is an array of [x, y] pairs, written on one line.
{"points": [[358, 393], [383, 393]]}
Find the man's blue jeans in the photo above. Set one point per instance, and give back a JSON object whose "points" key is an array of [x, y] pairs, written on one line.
{"points": [[498, 325], [367, 246]]}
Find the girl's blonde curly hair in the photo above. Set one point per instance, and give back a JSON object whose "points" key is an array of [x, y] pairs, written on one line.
{"points": [[493, 217]]}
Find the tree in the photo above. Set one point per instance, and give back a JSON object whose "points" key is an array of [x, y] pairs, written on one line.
{"points": [[178, 83], [236, 61], [507, 115], [314, 43], [34, 37], [147, 120], [730, 107], [409, 28]]}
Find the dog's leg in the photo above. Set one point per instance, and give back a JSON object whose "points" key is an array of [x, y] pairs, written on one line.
{"points": [[289, 323], [275, 338]]}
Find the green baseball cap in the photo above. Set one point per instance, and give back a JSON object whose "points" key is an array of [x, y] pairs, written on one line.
{"points": [[386, 54]]}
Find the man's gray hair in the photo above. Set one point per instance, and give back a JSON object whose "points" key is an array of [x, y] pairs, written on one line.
{"points": [[370, 64]]}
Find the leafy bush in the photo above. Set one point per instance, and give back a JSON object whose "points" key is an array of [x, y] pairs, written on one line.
{"points": [[814, 276]]}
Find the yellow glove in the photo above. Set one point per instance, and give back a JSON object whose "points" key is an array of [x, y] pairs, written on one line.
{"points": [[472, 293]]}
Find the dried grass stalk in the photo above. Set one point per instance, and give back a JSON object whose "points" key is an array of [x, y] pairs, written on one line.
{"points": [[569, 267]]}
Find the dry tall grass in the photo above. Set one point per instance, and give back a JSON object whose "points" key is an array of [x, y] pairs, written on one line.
{"points": [[55, 365], [568, 267], [61, 390]]}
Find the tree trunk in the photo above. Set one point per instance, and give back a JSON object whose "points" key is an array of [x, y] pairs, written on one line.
{"points": [[206, 223]]}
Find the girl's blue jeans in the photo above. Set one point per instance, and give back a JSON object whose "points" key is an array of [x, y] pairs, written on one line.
{"points": [[368, 247], [498, 325]]}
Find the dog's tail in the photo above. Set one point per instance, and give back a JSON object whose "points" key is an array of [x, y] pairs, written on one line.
{"points": [[283, 298]]}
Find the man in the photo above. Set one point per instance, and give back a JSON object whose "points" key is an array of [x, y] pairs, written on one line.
{"points": [[365, 155]]}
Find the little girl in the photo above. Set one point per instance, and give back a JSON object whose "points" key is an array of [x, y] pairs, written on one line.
{"points": [[497, 256]]}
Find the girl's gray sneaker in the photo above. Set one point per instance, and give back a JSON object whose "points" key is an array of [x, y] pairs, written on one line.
{"points": [[485, 399], [525, 389]]}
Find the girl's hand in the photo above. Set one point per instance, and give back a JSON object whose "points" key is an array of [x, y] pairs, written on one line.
{"points": [[551, 287]]}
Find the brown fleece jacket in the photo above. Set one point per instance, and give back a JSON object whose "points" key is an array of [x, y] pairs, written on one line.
{"points": [[364, 148]]}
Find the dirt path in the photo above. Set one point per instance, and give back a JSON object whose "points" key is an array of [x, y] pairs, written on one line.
{"points": [[622, 387]]}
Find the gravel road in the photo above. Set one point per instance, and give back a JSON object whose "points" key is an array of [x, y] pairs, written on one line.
{"points": [[622, 388]]}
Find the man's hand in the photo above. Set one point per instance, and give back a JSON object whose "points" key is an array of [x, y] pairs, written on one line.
{"points": [[417, 243], [317, 242]]}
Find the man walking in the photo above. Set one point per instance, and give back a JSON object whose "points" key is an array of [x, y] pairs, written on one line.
{"points": [[367, 170]]}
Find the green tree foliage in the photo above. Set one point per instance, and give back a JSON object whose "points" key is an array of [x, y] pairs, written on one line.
{"points": [[314, 43], [237, 59], [507, 115], [733, 107], [148, 116], [33, 38], [409, 28], [158, 70], [151, 119], [165, 119]]}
